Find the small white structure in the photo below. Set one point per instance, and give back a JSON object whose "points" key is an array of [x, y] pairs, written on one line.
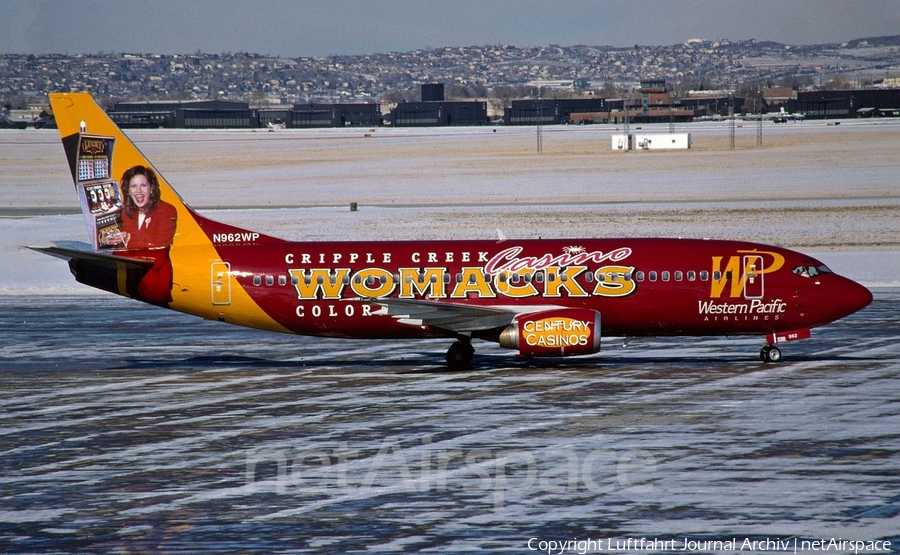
{"points": [[655, 141], [621, 142]]}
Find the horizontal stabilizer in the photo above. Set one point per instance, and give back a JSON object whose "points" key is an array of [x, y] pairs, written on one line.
{"points": [[69, 253]]}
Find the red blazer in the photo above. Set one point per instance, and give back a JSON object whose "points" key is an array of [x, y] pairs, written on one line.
{"points": [[157, 231]]}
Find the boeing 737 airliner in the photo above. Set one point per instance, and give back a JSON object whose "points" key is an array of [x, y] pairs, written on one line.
{"points": [[537, 297]]}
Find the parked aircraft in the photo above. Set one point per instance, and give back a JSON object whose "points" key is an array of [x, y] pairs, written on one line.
{"points": [[551, 297], [784, 117]]}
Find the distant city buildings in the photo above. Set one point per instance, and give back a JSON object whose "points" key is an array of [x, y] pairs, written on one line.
{"points": [[475, 84]]}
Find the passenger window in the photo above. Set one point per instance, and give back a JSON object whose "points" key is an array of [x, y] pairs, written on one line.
{"points": [[270, 280], [282, 281], [539, 277], [717, 275], [652, 276], [627, 276], [665, 275], [294, 279], [692, 275], [639, 276], [679, 275], [704, 275], [257, 280], [589, 277]]}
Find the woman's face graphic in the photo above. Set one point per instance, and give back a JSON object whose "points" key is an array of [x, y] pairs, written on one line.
{"points": [[139, 189]]}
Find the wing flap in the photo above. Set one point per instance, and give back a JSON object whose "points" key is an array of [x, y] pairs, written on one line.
{"points": [[450, 316]]}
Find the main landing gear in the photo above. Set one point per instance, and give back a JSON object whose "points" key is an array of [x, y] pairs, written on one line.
{"points": [[770, 353], [460, 354]]}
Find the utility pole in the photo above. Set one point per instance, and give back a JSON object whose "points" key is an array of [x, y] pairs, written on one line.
{"points": [[731, 116], [759, 118], [671, 114]]}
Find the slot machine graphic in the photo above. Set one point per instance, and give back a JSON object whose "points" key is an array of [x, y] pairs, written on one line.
{"points": [[101, 199]]}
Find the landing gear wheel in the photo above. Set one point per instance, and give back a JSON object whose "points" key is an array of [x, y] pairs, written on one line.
{"points": [[460, 354], [770, 353]]}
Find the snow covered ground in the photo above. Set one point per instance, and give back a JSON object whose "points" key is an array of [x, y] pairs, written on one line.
{"points": [[126, 428]]}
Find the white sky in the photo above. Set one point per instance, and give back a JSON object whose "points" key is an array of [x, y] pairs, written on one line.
{"points": [[333, 27]]}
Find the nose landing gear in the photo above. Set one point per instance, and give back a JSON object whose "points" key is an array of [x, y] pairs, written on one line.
{"points": [[460, 354], [770, 353]]}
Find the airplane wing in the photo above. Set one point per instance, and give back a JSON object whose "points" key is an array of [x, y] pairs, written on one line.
{"points": [[449, 316]]}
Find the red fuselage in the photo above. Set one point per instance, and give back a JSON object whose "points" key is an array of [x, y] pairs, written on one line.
{"points": [[642, 287]]}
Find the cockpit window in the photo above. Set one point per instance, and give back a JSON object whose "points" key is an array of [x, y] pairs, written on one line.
{"points": [[811, 271]]}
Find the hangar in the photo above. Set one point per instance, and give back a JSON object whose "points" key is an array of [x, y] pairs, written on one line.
{"points": [[182, 113], [433, 110], [847, 103], [551, 110], [335, 115]]}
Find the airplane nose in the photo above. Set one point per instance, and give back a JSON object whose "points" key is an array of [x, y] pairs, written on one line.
{"points": [[852, 297]]}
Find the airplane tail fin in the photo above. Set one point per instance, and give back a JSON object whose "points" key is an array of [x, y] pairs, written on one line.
{"points": [[135, 217], [103, 161]]}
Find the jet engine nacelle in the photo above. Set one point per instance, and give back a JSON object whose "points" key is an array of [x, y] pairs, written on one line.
{"points": [[555, 332]]}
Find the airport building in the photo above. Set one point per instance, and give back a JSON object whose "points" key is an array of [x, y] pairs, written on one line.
{"points": [[223, 114], [551, 111], [335, 115], [219, 115], [712, 105], [433, 110], [216, 114], [653, 105], [423, 114], [847, 104]]}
